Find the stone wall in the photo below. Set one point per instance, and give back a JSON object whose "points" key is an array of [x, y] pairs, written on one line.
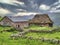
{"points": [[20, 25], [6, 22]]}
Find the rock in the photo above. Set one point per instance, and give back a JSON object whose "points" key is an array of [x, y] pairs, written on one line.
{"points": [[24, 37], [42, 39], [55, 41], [30, 37], [21, 33], [15, 35]]}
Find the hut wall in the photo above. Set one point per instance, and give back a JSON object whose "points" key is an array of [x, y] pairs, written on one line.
{"points": [[20, 25], [41, 24], [6, 22]]}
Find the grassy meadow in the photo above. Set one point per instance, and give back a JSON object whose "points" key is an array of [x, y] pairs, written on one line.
{"points": [[5, 28], [55, 35], [36, 27], [6, 40]]}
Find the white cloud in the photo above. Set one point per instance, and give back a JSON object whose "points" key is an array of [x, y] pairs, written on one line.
{"points": [[58, 6], [44, 7], [58, 0], [21, 10], [3, 11], [55, 7], [33, 4], [55, 11], [12, 2], [56, 3], [7, 1], [52, 9], [25, 13], [21, 3]]}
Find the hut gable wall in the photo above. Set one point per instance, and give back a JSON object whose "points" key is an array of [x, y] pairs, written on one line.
{"points": [[6, 21], [20, 24]]}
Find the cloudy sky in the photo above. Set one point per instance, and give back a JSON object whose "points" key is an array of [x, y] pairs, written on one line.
{"points": [[41, 6], [18, 7]]}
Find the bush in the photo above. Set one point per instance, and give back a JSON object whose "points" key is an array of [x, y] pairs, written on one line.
{"points": [[57, 37]]}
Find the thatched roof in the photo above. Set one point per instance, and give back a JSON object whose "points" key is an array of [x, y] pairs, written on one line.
{"points": [[41, 18], [38, 18]]}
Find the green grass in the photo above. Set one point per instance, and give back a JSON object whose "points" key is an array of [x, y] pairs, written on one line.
{"points": [[0, 18], [4, 28], [45, 35], [6, 40], [35, 27], [40, 28]]}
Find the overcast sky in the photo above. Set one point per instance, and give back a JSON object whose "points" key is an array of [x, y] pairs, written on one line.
{"points": [[36, 5], [18, 7]]}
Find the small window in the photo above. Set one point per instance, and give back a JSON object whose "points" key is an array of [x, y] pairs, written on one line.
{"points": [[18, 26], [50, 25]]}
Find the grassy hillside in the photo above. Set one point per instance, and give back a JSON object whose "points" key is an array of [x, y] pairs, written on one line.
{"points": [[6, 40], [2, 28], [1, 18], [45, 35], [36, 27]]}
